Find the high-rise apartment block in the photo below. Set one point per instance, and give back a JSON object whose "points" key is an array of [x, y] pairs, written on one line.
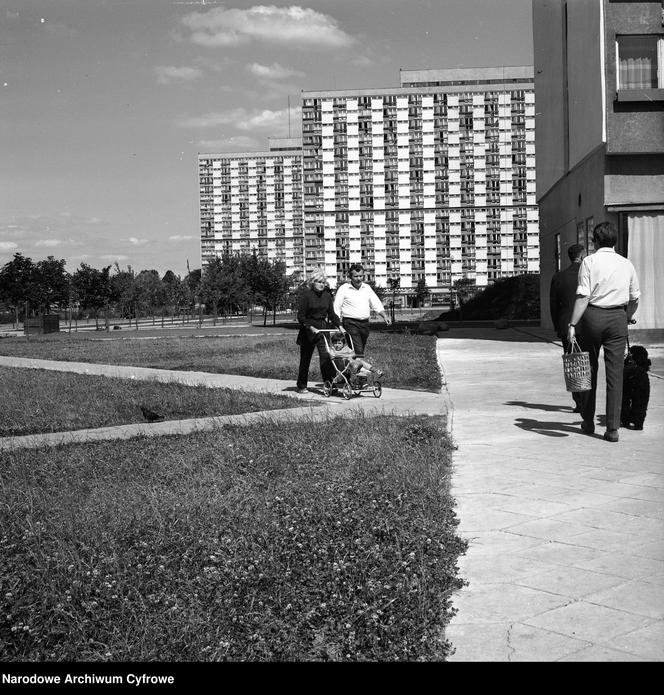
{"points": [[432, 181], [253, 201]]}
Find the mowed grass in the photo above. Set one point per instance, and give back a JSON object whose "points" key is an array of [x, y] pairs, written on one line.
{"points": [[308, 541], [37, 400], [408, 361]]}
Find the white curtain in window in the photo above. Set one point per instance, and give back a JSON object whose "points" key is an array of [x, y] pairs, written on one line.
{"points": [[660, 63], [636, 73], [646, 251]]}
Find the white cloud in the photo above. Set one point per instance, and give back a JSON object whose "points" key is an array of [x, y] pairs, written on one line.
{"points": [[169, 73], [180, 237], [272, 72], [242, 119], [236, 143], [137, 242], [292, 27], [7, 245], [113, 257], [48, 242]]}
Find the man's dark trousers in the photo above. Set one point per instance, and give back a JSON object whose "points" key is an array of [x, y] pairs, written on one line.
{"points": [[359, 333], [604, 328]]}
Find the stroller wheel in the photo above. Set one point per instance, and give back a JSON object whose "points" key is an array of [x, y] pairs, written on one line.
{"points": [[327, 388], [347, 391], [377, 389]]}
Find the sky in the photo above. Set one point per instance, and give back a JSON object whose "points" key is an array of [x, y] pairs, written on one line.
{"points": [[106, 104]]}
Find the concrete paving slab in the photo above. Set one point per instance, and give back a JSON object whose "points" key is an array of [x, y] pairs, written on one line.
{"points": [[637, 596], [572, 582], [588, 621], [512, 642], [520, 450], [645, 641]]}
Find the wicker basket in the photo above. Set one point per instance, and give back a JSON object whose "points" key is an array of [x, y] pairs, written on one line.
{"points": [[576, 368]]}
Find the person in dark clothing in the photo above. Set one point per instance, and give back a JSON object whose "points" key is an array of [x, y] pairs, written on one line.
{"points": [[562, 295], [315, 310]]}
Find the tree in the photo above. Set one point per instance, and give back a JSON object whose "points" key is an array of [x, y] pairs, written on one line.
{"points": [[149, 290], [421, 292], [92, 288], [465, 289], [222, 284], [17, 282], [51, 283], [123, 291]]}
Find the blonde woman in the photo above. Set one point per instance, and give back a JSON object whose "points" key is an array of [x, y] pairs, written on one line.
{"points": [[316, 309]]}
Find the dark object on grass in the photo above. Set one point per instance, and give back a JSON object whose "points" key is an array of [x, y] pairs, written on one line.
{"points": [[150, 415], [501, 324], [117, 328]]}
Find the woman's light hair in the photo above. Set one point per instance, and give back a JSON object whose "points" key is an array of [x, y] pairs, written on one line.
{"points": [[316, 275]]}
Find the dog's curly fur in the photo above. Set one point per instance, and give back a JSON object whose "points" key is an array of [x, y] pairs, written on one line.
{"points": [[636, 388]]}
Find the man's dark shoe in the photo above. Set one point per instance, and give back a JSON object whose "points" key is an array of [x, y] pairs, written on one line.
{"points": [[611, 435], [588, 426]]}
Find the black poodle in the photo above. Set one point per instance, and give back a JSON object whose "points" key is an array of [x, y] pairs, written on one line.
{"points": [[636, 388]]}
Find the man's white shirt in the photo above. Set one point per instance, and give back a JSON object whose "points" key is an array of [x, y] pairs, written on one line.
{"points": [[607, 279], [351, 303]]}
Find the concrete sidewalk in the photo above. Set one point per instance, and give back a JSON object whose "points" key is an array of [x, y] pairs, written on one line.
{"points": [[566, 530], [314, 405]]}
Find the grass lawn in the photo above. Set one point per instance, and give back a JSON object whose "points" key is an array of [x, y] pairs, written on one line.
{"points": [[409, 361], [37, 400], [311, 541]]}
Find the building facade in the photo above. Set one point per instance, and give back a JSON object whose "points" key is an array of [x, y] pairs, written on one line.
{"points": [[599, 84], [432, 181], [253, 201]]}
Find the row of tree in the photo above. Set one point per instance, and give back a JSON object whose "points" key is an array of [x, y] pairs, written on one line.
{"points": [[228, 284]]}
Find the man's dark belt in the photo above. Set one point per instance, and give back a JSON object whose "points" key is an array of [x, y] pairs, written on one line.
{"points": [[349, 318], [594, 306]]}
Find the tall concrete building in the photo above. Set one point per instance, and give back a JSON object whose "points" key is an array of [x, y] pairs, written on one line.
{"points": [[253, 201], [433, 180], [430, 181], [599, 85]]}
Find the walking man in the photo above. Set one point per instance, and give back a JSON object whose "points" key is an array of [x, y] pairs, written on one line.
{"points": [[354, 302], [562, 295], [606, 298]]}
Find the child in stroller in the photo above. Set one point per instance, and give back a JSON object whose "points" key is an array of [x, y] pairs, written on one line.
{"points": [[353, 373]]}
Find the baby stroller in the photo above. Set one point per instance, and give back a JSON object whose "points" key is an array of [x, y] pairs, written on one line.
{"points": [[346, 381]]}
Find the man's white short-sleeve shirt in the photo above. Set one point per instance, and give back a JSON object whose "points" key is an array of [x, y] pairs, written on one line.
{"points": [[351, 303], [607, 279]]}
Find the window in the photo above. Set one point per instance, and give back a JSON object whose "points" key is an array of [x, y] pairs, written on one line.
{"points": [[640, 61]]}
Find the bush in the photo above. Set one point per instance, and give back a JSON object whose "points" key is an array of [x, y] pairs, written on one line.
{"points": [[509, 298]]}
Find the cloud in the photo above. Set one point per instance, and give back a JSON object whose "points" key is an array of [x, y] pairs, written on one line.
{"points": [[7, 245], [137, 242], [48, 242], [113, 257], [238, 143], [241, 119], [166, 74], [293, 27], [272, 72], [180, 237]]}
